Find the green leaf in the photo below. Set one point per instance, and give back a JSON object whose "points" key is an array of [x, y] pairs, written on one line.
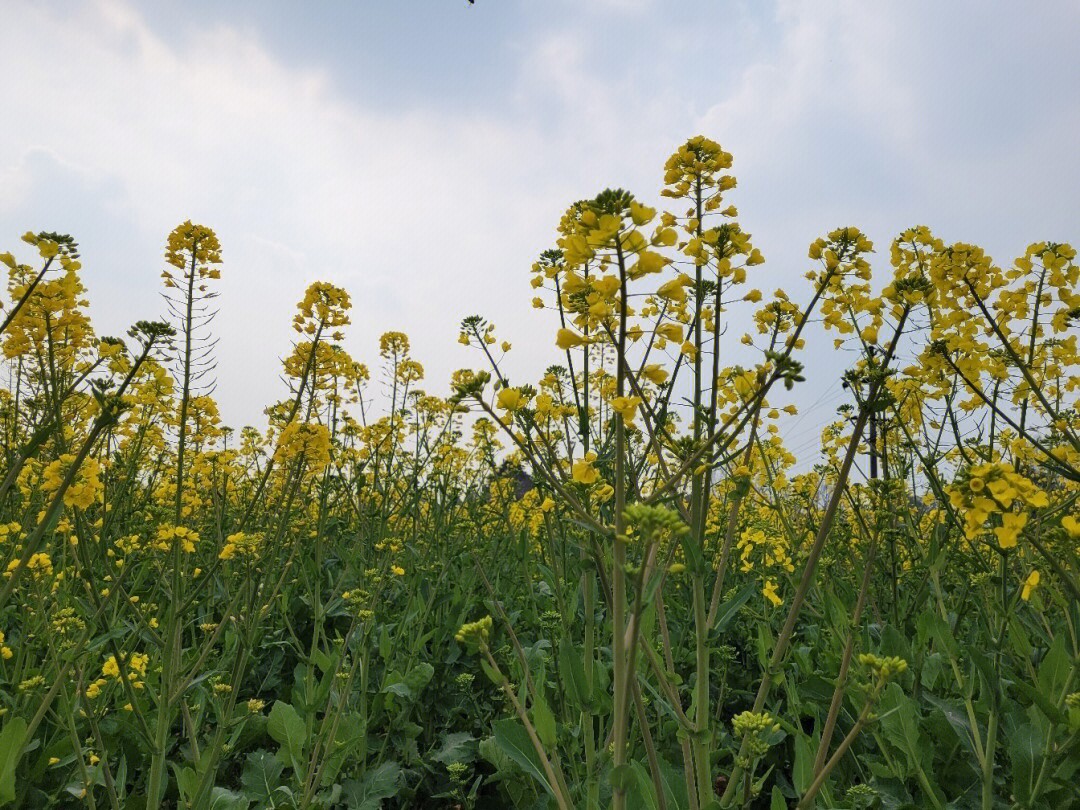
{"points": [[572, 669], [934, 628], [730, 609], [836, 610], [495, 755], [1044, 703], [11, 744], [398, 688], [900, 722], [456, 748], [1055, 669], [954, 714], [386, 645], [378, 784], [803, 772], [350, 735], [894, 643], [261, 775], [641, 792], [187, 781], [764, 645], [492, 674], [222, 799], [674, 785], [1018, 639], [419, 676], [777, 802], [623, 778], [984, 666], [324, 661], [544, 721], [513, 740], [287, 728], [1025, 754]]}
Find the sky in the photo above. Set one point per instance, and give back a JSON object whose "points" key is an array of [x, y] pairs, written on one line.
{"points": [[419, 153]]}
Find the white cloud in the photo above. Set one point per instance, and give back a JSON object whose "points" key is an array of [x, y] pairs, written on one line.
{"points": [[423, 217], [836, 112]]}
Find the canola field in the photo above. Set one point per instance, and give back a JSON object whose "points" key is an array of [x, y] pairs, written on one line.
{"points": [[609, 587]]}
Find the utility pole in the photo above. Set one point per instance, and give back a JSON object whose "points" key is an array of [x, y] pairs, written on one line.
{"points": [[873, 429], [873, 445]]}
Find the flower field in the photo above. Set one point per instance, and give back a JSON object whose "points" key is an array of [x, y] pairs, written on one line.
{"points": [[612, 586]]}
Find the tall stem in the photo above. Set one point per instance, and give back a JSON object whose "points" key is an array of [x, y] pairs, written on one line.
{"points": [[618, 574], [171, 638]]}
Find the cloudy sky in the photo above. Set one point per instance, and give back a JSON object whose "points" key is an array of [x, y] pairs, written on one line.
{"points": [[420, 152]]}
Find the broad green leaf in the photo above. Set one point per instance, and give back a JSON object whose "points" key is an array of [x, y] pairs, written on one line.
{"points": [[378, 784], [641, 792], [623, 778], [985, 667], [544, 721], [409, 686], [287, 728], [187, 781], [1025, 747], [836, 610], [491, 672], [1055, 669], [730, 609], [932, 627], [956, 717], [1036, 696], [261, 775], [456, 748], [900, 723], [11, 744], [419, 676], [386, 645], [674, 785], [513, 740], [893, 643], [350, 734], [572, 670], [222, 799], [803, 772], [490, 751]]}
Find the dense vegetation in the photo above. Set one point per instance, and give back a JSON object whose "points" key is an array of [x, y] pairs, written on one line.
{"points": [[608, 588]]}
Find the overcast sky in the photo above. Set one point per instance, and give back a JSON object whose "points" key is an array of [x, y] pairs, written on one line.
{"points": [[420, 153]]}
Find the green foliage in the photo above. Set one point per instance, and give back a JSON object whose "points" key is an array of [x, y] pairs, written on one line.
{"points": [[612, 588]]}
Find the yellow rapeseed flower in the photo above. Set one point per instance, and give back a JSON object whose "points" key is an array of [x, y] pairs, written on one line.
{"points": [[583, 470], [1030, 584]]}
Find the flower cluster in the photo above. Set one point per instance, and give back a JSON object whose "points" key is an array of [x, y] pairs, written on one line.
{"points": [[475, 635], [308, 442], [135, 665], [245, 545], [755, 730], [993, 488], [324, 307], [168, 536], [86, 486]]}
